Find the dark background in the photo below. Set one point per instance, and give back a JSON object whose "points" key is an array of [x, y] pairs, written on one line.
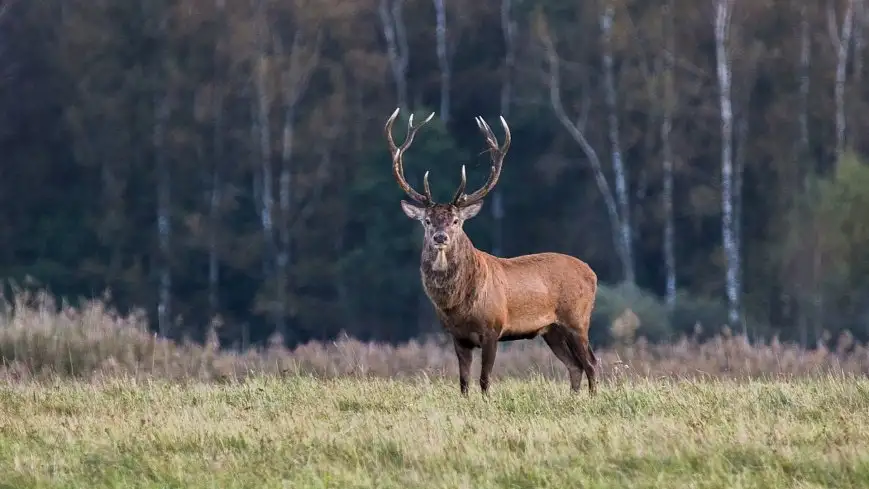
{"points": [[113, 114]]}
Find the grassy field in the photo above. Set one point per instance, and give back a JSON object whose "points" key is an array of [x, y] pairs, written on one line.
{"points": [[305, 432]]}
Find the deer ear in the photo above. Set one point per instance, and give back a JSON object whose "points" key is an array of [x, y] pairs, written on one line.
{"points": [[413, 211], [470, 211]]}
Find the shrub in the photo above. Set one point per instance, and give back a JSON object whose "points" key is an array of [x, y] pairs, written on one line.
{"points": [[614, 302], [41, 340]]}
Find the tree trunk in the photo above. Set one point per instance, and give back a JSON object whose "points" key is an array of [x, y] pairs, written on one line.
{"points": [[392, 22], [723, 70], [579, 137], [620, 174], [842, 41], [667, 150]]}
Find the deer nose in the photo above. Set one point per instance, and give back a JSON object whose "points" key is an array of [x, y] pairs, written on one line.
{"points": [[439, 238]]}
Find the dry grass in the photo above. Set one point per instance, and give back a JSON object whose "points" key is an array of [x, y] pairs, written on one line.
{"points": [[269, 432], [91, 399], [38, 342]]}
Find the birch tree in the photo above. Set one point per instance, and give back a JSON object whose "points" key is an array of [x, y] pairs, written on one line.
{"points": [[669, 100], [303, 59], [841, 38], [397, 49], [443, 58], [723, 11], [620, 175], [575, 130]]}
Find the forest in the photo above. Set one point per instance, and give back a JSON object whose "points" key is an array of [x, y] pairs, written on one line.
{"points": [[222, 164]]}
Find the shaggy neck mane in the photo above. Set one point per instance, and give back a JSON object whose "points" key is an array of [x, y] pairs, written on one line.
{"points": [[451, 286]]}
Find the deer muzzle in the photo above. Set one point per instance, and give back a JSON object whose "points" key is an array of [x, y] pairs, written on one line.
{"points": [[440, 239]]}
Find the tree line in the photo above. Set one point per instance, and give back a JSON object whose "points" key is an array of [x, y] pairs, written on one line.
{"points": [[223, 163]]}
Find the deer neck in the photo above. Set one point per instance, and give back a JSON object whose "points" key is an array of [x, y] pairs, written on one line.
{"points": [[448, 275]]}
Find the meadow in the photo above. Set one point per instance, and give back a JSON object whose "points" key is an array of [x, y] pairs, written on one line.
{"points": [[306, 432], [91, 399]]}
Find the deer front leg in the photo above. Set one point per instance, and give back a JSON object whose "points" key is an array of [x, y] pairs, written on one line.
{"points": [[464, 353], [490, 348]]}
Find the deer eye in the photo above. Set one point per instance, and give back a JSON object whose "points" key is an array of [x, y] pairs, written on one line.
{"points": [[455, 221], [427, 221]]}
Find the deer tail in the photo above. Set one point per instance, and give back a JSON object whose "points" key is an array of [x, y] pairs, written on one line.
{"points": [[592, 356]]}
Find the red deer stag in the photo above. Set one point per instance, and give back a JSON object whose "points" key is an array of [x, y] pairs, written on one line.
{"points": [[482, 299]]}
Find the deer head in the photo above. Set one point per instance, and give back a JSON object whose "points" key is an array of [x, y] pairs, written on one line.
{"points": [[442, 223]]}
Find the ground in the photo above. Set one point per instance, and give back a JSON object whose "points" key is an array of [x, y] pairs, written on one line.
{"points": [[303, 432]]}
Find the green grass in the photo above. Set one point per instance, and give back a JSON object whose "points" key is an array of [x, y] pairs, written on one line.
{"points": [[301, 432]]}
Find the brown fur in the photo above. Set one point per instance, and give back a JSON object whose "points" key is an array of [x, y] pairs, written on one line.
{"points": [[481, 299]]}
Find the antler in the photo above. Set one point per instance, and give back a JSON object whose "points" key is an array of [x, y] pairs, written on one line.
{"points": [[498, 153], [398, 153]]}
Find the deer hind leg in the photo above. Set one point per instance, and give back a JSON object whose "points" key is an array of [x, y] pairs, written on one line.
{"points": [[576, 334], [464, 353], [557, 340]]}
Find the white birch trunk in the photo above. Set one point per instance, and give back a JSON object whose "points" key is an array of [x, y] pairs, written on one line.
{"points": [[577, 134], [295, 85], [619, 172], [392, 22], [723, 70], [841, 42], [164, 202], [443, 58], [667, 150]]}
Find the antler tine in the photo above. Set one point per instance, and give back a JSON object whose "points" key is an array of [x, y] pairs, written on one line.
{"points": [[498, 154], [426, 187], [487, 132], [398, 154], [461, 190]]}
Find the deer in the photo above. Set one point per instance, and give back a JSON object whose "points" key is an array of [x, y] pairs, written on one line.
{"points": [[481, 299]]}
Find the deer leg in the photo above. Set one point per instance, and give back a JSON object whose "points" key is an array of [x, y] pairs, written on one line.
{"points": [[465, 354], [556, 338], [581, 351], [490, 348]]}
